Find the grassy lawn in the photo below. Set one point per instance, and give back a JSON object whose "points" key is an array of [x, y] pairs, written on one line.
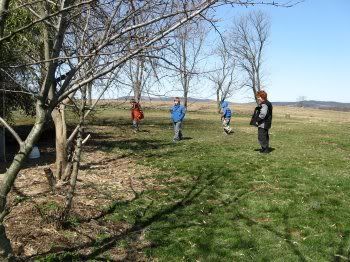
{"points": [[217, 199]]}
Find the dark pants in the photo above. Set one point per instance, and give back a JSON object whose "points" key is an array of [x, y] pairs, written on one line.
{"points": [[263, 137]]}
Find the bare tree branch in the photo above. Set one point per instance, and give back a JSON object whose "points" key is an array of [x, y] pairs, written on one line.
{"points": [[12, 131]]}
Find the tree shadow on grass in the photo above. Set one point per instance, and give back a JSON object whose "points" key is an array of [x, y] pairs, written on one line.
{"points": [[124, 123], [286, 235], [159, 123], [343, 252], [136, 145], [141, 222], [148, 217], [96, 165]]}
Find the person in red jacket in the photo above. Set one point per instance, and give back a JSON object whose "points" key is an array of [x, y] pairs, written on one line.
{"points": [[136, 114]]}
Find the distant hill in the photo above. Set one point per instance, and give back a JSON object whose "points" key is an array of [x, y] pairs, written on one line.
{"points": [[330, 105]]}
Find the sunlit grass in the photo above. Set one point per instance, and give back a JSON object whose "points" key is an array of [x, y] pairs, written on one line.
{"points": [[217, 199], [222, 201]]}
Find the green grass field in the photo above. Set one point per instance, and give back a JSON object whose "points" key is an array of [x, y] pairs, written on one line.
{"points": [[217, 199]]}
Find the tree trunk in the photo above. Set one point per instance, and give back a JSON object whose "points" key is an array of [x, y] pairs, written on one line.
{"points": [[73, 178], [258, 81], [5, 245], [254, 89], [75, 161], [218, 100], [183, 66], [59, 120], [256, 99], [51, 179], [70, 154], [8, 178], [185, 99], [89, 93], [185, 87], [138, 80], [137, 91]]}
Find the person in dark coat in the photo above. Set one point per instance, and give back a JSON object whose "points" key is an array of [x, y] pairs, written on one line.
{"points": [[263, 120]]}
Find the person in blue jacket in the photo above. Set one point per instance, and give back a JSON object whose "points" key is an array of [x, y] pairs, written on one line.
{"points": [[178, 112], [226, 117]]}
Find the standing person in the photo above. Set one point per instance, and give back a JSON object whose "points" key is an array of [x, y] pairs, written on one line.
{"points": [[178, 112], [263, 121], [136, 114], [226, 117]]}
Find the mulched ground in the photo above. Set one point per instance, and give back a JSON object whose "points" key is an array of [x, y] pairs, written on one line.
{"points": [[103, 180]]}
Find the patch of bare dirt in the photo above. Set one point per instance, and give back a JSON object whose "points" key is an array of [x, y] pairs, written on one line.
{"points": [[103, 180]]}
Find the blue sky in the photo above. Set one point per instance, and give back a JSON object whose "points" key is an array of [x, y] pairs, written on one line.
{"points": [[308, 52]]}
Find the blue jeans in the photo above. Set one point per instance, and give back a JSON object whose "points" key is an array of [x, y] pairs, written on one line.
{"points": [[177, 130]]}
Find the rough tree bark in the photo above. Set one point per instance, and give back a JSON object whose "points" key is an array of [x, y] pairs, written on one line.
{"points": [[89, 93], [75, 160], [58, 117], [138, 79], [73, 177]]}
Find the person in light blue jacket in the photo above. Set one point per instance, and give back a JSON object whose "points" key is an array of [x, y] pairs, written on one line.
{"points": [[178, 112]]}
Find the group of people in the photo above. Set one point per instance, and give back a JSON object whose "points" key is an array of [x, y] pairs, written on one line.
{"points": [[261, 118]]}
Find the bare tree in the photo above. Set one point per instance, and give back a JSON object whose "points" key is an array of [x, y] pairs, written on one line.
{"points": [[186, 51], [224, 75], [137, 75], [138, 69], [249, 38], [301, 100]]}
